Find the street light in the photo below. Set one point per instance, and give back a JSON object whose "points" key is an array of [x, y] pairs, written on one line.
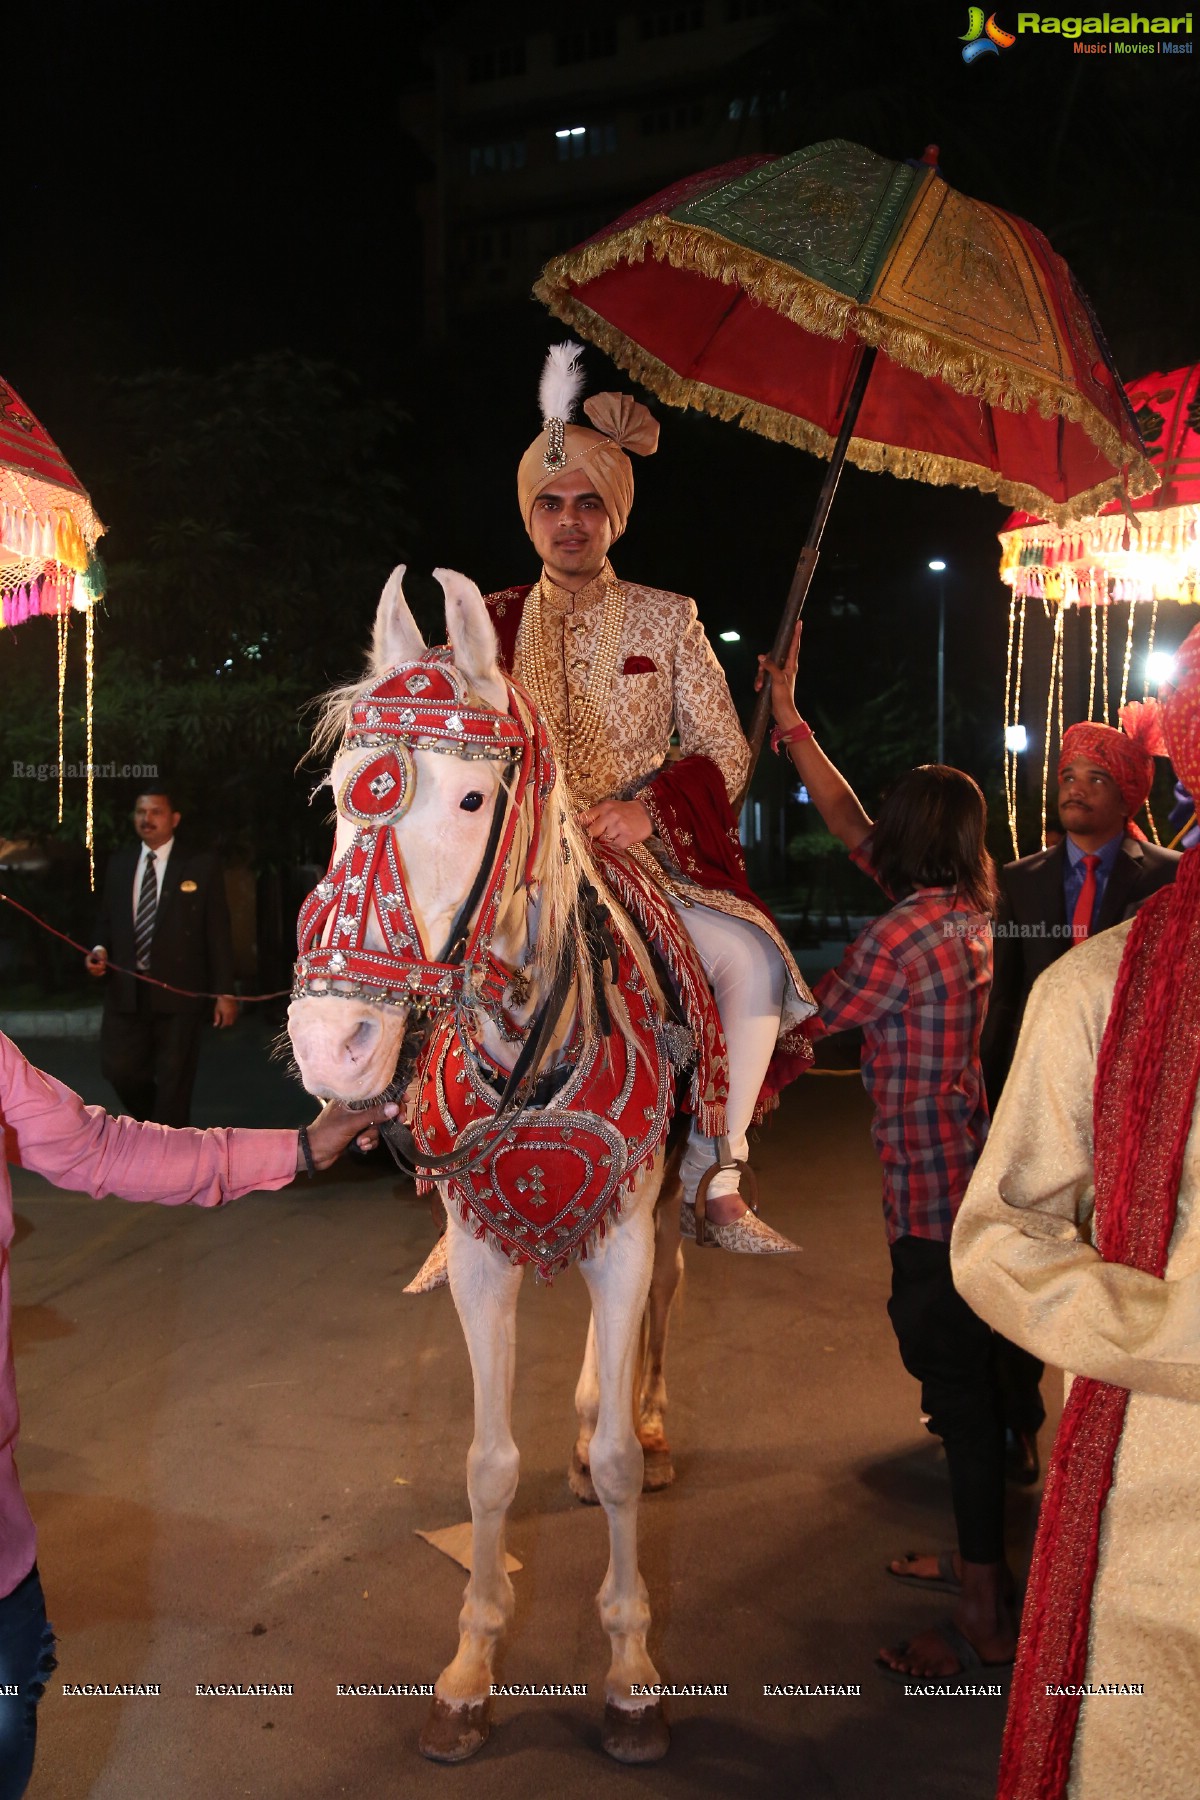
{"points": [[1016, 739], [939, 569], [731, 637], [1160, 666]]}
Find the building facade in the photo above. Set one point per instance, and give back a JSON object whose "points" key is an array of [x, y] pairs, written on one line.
{"points": [[538, 131]]}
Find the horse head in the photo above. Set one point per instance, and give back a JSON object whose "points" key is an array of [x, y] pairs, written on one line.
{"points": [[446, 805]]}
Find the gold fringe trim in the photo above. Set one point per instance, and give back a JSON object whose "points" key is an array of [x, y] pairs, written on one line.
{"points": [[817, 309], [789, 428]]}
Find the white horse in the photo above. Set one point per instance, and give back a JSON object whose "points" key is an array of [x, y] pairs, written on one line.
{"points": [[451, 832]]}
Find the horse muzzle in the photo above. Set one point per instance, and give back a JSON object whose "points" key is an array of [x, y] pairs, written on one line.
{"points": [[345, 1049]]}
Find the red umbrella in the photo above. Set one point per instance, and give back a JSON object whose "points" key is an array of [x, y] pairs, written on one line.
{"points": [[1131, 555], [48, 562], [1110, 557], [48, 529], [764, 291]]}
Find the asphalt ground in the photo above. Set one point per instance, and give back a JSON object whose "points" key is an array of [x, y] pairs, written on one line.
{"points": [[234, 1423]]}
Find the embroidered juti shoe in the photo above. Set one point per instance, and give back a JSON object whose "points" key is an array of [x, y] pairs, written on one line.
{"points": [[434, 1271], [748, 1235]]}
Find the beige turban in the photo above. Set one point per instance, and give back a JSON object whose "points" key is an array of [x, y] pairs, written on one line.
{"points": [[621, 424]]}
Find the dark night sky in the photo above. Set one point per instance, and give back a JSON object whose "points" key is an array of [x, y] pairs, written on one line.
{"points": [[185, 186]]}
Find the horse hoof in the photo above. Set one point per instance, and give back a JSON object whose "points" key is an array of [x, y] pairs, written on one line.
{"points": [[452, 1733], [659, 1471], [579, 1480], [635, 1734]]}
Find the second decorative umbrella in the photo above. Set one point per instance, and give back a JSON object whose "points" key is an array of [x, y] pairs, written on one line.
{"points": [[764, 290], [48, 562]]}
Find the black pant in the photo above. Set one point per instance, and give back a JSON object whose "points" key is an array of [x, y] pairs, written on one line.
{"points": [[952, 1353], [1020, 1375], [150, 1058]]}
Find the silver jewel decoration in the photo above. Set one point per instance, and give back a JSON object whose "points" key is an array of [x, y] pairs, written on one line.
{"points": [[416, 684], [382, 785], [374, 716], [454, 722], [326, 890], [355, 885], [337, 962]]}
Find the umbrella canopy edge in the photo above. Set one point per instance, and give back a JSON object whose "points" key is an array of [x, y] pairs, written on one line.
{"points": [[788, 428]]}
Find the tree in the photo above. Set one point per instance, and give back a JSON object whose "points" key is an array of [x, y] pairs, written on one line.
{"points": [[255, 513]]}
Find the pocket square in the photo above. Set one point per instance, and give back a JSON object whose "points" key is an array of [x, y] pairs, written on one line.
{"points": [[640, 665]]}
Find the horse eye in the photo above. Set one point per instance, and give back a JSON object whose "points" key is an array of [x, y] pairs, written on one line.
{"points": [[471, 802]]}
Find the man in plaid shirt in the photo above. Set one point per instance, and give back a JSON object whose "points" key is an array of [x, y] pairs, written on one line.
{"points": [[916, 981]]}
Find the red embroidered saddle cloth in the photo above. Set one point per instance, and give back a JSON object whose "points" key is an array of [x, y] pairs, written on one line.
{"points": [[661, 926], [547, 1189]]}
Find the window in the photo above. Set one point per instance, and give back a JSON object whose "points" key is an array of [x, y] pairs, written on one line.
{"points": [[756, 106], [484, 247], [669, 21], [585, 44], [496, 62], [575, 141], [688, 117], [496, 159]]}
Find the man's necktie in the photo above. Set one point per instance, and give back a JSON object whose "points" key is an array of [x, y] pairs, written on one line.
{"points": [[147, 906], [1081, 923]]}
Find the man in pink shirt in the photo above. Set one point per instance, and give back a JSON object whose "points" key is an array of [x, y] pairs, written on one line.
{"points": [[48, 1129]]}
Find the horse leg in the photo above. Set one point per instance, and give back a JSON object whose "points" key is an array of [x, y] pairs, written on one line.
{"points": [[618, 1277], [587, 1405], [650, 1394], [485, 1287]]}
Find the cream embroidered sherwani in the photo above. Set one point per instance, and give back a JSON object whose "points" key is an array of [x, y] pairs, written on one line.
{"points": [[683, 688], [1022, 1256], [666, 681]]}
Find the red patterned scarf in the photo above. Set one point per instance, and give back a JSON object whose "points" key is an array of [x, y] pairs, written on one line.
{"points": [[1146, 1081]]}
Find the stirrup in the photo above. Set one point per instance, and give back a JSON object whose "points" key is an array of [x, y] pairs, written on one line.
{"points": [[746, 1175]]}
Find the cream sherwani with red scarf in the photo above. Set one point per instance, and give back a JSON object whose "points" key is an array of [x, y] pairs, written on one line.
{"points": [[665, 683], [619, 671], [1024, 1258]]}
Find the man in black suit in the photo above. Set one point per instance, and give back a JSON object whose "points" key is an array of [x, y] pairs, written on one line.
{"points": [[163, 912], [1101, 871]]}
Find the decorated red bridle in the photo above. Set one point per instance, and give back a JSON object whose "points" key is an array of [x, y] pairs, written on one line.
{"points": [[419, 706]]}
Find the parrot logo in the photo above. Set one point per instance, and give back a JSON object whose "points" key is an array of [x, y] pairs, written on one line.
{"points": [[983, 38]]}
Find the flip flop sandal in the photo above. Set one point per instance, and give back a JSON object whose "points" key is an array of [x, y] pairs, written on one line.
{"points": [[971, 1666], [945, 1581]]}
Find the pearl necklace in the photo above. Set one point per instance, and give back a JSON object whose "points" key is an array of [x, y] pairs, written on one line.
{"points": [[577, 738]]}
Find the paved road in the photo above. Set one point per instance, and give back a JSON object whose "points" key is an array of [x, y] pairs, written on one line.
{"points": [[234, 1423]]}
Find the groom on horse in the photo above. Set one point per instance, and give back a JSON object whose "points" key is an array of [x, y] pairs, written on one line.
{"points": [[616, 670]]}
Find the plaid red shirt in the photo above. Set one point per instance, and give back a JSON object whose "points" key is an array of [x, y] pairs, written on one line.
{"points": [[917, 982]]}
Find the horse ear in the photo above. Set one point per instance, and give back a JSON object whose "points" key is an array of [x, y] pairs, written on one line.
{"points": [[395, 638], [473, 638]]}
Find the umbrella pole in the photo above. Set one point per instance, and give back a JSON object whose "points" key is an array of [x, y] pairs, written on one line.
{"points": [[805, 567]]}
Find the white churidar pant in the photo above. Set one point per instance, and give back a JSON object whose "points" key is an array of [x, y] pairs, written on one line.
{"points": [[748, 979]]}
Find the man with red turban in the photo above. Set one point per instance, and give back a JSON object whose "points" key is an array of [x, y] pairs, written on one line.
{"points": [[1080, 1238], [1050, 901], [1103, 867]]}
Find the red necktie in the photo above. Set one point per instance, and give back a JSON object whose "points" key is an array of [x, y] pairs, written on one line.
{"points": [[1081, 922]]}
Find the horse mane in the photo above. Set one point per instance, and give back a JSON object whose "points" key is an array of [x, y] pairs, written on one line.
{"points": [[333, 714], [562, 861]]}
